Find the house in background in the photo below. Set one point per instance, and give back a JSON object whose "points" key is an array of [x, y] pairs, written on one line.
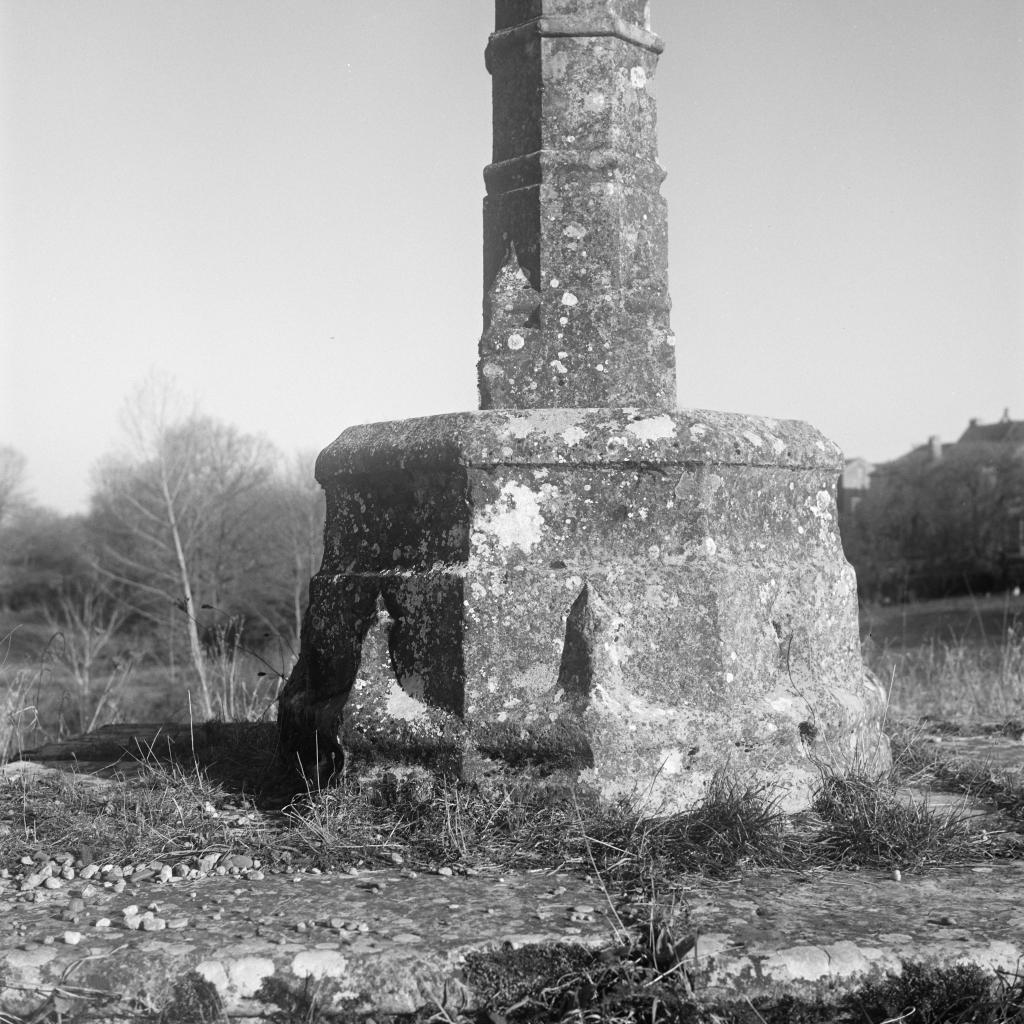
{"points": [[853, 484], [991, 443]]}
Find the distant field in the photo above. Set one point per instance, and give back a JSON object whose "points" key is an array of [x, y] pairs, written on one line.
{"points": [[40, 700], [956, 658], [955, 619]]}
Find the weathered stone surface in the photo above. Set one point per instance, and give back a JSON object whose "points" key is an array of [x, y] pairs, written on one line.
{"points": [[635, 598], [578, 576], [576, 309]]}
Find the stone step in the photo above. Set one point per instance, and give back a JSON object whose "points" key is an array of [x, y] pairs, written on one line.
{"points": [[383, 943]]}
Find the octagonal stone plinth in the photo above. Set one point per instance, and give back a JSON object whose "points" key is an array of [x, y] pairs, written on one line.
{"points": [[634, 599]]}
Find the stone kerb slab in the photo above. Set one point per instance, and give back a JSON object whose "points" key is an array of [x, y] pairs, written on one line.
{"points": [[635, 599]]}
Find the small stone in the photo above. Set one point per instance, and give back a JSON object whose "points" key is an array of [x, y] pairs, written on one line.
{"points": [[143, 875], [52, 883], [446, 871], [180, 870], [89, 871], [397, 858], [133, 922], [256, 876], [67, 873], [119, 885], [583, 908], [132, 910], [177, 923], [102, 922], [26, 861], [300, 926], [88, 891], [207, 862], [897, 875], [153, 924], [338, 923], [220, 870], [166, 874], [32, 881]]}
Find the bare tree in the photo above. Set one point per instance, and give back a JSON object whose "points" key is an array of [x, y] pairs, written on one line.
{"points": [[177, 509], [12, 481], [302, 523], [87, 625]]}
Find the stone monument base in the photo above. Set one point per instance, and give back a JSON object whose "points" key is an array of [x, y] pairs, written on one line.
{"points": [[630, 599]]}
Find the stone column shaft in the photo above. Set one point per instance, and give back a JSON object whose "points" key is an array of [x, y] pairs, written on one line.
{"points": [[576, 306]]}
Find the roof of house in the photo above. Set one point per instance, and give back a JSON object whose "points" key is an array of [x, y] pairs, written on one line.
{"points": [[1006, 431]]}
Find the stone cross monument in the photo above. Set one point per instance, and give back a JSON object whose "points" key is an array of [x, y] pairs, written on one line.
{"points": [[578, 579]]}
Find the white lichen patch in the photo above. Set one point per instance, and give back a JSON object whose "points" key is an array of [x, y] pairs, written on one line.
{"points": [[516, 342], [241, 978], [519, 427], [698, 431], [515, 519], [402, 706], [320, 963], [755, 439], [568, 299], [653, 428], [558, 366], [573, 435]]}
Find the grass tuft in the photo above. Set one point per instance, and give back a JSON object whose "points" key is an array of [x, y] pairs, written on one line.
{"points": [[865, 824]]}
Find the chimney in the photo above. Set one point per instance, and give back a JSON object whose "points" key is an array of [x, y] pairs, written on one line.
{"points": [[935, 444]]}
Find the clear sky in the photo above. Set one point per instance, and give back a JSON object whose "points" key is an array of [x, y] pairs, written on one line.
{"points": [[278, 202]]}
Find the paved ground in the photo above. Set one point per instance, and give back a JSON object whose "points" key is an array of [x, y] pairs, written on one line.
{"points": [[387, 942]]}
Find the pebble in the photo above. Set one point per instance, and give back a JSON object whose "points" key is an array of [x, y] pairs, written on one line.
{"points": [[583, 908], [72, 938], [119, 885], [32, 881], [88, 871], [208, 862], [153, 924], [177, 923], [166, 874], [52, 883], [103, 922], [446, 871]]}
